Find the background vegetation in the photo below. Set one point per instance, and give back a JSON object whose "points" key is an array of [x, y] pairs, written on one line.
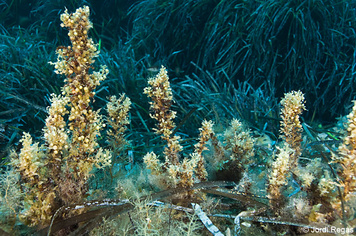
{"points": [[226, 59]]}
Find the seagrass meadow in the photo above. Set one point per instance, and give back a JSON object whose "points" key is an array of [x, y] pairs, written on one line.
{"points": [[153, 117]]}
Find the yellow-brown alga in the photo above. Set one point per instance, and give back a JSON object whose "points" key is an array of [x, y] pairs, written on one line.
{"points": [[173, 172], [56, 173], [287, 157]]}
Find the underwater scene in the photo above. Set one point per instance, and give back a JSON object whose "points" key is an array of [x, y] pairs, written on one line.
{"points": [[154, 117]]}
